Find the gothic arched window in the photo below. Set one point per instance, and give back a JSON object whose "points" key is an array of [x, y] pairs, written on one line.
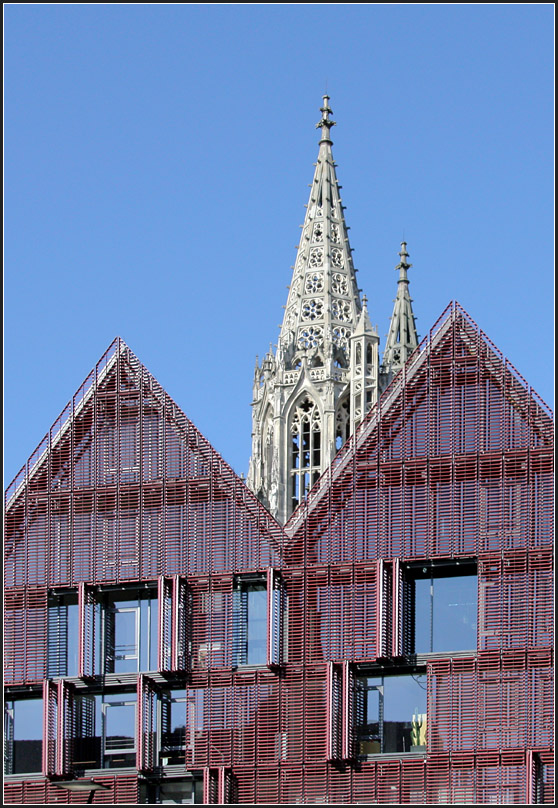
{"points": [[342, 423], [305, 458]]}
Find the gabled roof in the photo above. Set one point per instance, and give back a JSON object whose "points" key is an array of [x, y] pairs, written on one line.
{"points": [[455, 355], [456, 365], [122, 431]]}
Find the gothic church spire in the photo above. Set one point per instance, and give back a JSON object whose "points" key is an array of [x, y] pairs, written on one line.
{"points": [[310, 396], [324, 305]]}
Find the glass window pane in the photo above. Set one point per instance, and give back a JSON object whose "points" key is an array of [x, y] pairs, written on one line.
{"points": [[455, 613], [257, 625], [119, 726], [125, 640], [153, 633], [87, 738], [423, 616], [446, 614], [148, 634], [404, 700], [27, 717], [394, 718], [73, 639], [119, 731]]}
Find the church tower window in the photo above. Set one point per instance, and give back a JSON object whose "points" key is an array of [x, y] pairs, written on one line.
{"points": [[342, 423], [306, 433]]}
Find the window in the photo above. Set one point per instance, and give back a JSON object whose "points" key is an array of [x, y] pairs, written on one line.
{"points": [[180, 792], [305, 460], [390, 714], [118, 724], [63, 633], [118, 628], [260, 607], [250, 601], [173, 729], [23, 720], [342, 424], [105, 731], [445, 608], [129, 630], [428, 607]]}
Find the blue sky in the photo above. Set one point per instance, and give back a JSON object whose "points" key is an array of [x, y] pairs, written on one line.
{"points": [[157, 159]]}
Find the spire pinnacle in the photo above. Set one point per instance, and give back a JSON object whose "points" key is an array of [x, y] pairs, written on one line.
{"points": [[402, 338], [325, 124], [403, 265]]}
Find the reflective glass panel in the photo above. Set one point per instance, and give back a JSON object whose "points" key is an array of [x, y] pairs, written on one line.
{"points": [[24, 736], [394, 714], [119, 717], [257, 625], [446, 614]]}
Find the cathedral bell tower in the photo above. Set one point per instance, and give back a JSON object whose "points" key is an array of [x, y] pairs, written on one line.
{"points": [[311, 395]]}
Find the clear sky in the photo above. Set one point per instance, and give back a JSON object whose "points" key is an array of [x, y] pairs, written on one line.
{"points": [[157, 161]]}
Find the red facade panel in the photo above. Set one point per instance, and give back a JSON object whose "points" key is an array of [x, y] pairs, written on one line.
{"points": [[453, 465]]}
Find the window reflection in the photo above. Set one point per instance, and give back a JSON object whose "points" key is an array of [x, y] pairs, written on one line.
{"points": [[250, 621], [390, 713], [256, 653], [23, 736], [446, 613], [118, 726], [130, 633], [105, 731], [180, 792]]}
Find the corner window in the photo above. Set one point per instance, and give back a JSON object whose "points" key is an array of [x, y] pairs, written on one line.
{"points": [[23, 727], [250, 619], [390, 714], [445, 608]]}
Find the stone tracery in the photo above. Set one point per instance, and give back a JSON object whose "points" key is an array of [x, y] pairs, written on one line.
{"points": [[314, 282], [339, 283], [323, 316]]}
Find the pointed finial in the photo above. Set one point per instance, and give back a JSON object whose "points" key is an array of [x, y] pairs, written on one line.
{"points": [[404, 254], [325, 124], [364, 302], [403, 265]]}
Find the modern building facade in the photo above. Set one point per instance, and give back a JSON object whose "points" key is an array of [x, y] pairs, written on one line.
{"points": [[384, 638]]}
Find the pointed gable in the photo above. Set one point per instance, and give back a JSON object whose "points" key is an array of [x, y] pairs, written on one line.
{"points": [[124, 487], [442, 465]]}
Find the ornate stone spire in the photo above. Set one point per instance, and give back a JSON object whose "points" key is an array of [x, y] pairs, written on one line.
{"points": [[323, 305], [402, 337], [311, 396]]}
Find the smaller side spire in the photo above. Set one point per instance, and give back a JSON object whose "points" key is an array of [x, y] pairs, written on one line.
{"points": [[402, 337]]}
